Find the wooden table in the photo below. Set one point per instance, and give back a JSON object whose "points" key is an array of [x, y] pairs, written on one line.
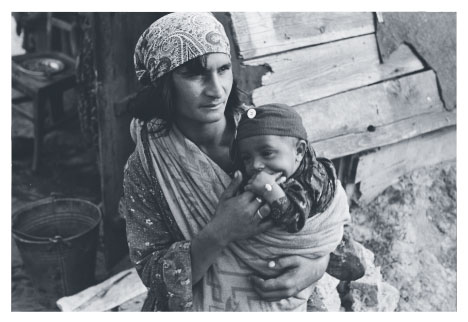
{"points": [[41, 90]]}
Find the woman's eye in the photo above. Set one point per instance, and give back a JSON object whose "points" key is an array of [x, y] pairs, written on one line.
{"points": [[189, 75], [225, 68]]}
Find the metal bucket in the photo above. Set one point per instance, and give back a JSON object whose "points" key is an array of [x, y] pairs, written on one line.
{"points": [[57, 240]]}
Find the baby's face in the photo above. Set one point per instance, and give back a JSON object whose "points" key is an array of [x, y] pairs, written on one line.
{"points": [[269, 153]]}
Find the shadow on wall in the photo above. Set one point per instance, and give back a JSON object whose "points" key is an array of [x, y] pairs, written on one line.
{"points": [[433, 35]]}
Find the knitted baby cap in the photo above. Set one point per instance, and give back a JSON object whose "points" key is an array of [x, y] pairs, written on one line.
{"points": [[271, 119]]}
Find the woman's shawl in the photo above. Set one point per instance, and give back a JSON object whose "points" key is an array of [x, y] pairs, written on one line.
{"points": [[192, 184]]}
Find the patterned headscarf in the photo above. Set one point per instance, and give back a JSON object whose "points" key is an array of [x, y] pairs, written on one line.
{"points": [[175, 39]]}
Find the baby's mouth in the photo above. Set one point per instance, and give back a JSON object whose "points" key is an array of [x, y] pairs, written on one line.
{"points": [[269, 171]]}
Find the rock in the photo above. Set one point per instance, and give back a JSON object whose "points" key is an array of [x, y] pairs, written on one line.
{"points": [[368, 257], [325, 297], [315, 303], [347, 262], [364, 296], [373, 296], [370, 293], [389, 297]]}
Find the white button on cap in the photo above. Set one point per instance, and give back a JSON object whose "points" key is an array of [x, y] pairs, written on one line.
{"points": [[251, 113]]}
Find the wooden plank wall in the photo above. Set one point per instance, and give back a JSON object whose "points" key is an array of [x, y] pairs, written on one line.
{"points": [[263, 33], [327, 66], [376, 171], [309, 74]]}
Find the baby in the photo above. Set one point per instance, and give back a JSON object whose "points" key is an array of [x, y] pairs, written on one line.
{"points": [[270, 141], [309, 208]]}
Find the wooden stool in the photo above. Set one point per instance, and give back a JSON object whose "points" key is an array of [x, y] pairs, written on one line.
{"points": [[42, 90]]}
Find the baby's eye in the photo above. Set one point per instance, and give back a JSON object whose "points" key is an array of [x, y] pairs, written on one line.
{"points": [[268, 153]]}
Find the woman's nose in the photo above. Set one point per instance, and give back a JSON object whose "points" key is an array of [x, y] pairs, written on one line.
{"points": [[214, 87]]}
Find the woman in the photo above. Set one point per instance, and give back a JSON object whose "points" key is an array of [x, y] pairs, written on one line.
{"points": [[183, 210]]}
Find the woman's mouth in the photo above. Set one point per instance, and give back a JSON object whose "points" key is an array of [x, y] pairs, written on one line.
{"points": [[212, 105]]}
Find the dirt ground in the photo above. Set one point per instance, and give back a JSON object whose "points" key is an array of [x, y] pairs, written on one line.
{"points": [[412, 229], [411, 226]]}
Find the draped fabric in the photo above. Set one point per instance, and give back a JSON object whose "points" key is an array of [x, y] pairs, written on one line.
{"points": [[192, 184]]}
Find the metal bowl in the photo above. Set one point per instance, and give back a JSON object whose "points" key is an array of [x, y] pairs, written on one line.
{"points": [[42, 67]]}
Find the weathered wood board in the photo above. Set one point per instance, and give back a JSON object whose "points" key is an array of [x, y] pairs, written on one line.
{"points": [[265, 33], [323, 60], [133, 305], [380, 169], [309, 74], [119, 289], [375, 105], [384, 135]]}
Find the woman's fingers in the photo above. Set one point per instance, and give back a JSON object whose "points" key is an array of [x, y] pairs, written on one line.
{"points": [[286, 262], [265, 225], [274, 289], [283, 268], [296, 273], [277, 266], [264, 210], [249, 197], [233, 187]]}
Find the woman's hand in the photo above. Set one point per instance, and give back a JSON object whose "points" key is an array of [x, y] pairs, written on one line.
{"points": [[236, 216], [297, 273]]}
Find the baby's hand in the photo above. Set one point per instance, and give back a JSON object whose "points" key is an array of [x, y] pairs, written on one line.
{"points": [[257, 182], [261, 182]]}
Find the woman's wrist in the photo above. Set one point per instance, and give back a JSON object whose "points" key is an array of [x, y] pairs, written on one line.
{"points": [[214, 236], [206, 247]]}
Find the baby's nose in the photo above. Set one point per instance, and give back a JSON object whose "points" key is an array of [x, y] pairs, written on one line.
{"points": [[258, 166]]}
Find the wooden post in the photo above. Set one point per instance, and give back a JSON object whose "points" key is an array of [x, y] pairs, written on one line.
{"points": [[115, 37]]}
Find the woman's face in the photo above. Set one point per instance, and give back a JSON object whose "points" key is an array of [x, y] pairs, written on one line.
{"points": [[202, 97]]}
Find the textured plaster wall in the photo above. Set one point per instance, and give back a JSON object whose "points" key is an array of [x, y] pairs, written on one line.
{"points": [[433, 37]]}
